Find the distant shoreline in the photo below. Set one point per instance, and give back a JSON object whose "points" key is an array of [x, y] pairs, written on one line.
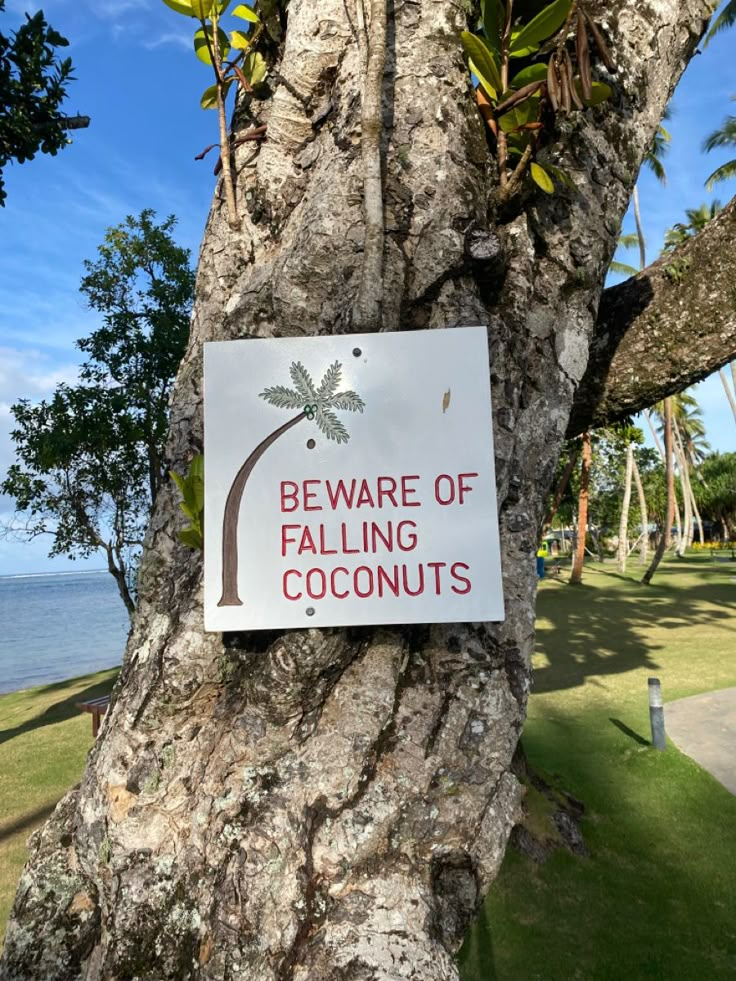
{"points": [[48, 575]]}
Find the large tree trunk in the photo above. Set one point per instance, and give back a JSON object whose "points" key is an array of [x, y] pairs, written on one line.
{"points": [[332, 804]]}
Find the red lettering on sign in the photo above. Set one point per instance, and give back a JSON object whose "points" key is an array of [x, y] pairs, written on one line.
{"points": [[437, 581], [289, 495], [420, 587], [344, 536], [383, 579], [286, 540], [287, 594], [323, 550], [308, 495], [321, 591], [456, 575], [389, 492], [364, 496], [464, 488], [333, 587], [409, 541], [406, 491], [307, 542], [334, 494], [449, 494], [369, 588]]}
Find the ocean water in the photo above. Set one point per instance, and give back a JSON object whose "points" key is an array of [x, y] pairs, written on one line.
{"points": [[58, 626]]}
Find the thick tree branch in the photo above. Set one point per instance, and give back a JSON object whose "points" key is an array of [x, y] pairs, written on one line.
{"points": [[667, 328]]}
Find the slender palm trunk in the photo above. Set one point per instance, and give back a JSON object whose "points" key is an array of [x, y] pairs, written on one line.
{"points": [[644, 548], [670, 509], [623, 528], [729, 394], [687, 494], [640, 230], [655, 437], [696, 512], [232, 512], [577, 568], [561, 488]]}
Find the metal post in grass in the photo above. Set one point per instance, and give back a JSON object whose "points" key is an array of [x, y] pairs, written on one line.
{"points": [[656, 714]]}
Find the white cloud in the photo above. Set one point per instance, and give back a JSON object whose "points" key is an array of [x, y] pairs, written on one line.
{"points": [[175, 38]]}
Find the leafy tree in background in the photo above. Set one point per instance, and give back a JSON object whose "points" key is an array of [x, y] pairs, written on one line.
{"points": [[717, 477], [89, 459], [33, 85]]}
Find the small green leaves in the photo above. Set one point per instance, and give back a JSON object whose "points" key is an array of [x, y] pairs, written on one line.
{"points": [[246, 13], [492, 16], [209, 96], [181, 7], [239, 40], [533, 73], [255, 68], [547, 21], [203, 43], [191, 489], [600, 92], [484, 64], [542, 179], [201, 9]]}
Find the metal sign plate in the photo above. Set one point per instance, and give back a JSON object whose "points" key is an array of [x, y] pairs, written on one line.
{"points": [[350, 480]]}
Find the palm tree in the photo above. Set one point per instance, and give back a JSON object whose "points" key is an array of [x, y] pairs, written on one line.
{"points": [[670, 483], [729, 394], [690, 447], [697, 219], [724, 20], [652, 160], [576, 577], [623, 529], [723, 137], [625, 241], [644, 548], [313, 403]]}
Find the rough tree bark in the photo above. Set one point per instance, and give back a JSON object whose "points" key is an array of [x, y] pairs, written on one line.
{"points": [[332, 804]]}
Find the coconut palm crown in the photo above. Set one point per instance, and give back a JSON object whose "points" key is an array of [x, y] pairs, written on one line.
{"points": [[317, 403]]}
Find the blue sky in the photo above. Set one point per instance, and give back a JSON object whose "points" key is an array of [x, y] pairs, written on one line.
{"points": [[138, 79]]}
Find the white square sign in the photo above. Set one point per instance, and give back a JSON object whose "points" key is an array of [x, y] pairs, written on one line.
{"points": [[350, 480]]}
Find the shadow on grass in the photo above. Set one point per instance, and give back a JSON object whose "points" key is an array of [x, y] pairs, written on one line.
{"points": [[598, 631], [630, 732], [647, 902], [25, 822], [60, 711]]}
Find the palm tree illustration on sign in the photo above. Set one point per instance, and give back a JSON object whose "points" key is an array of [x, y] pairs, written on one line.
{"points": [[314, 404]]}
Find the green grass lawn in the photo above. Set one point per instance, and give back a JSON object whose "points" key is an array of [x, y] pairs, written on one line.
{"points": [[655, 899], [657, 896], [44, 742]]}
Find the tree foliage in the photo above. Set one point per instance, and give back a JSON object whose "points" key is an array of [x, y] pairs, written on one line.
{"points": [[717, 489], [90, 458], [33, 85]]}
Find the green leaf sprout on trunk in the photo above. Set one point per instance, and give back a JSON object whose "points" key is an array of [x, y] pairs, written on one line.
{"points": [[519, 108], [234, 61], [191, 488]]}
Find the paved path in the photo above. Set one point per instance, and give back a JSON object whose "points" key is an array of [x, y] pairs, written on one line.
{"points": [[704, 727]]}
